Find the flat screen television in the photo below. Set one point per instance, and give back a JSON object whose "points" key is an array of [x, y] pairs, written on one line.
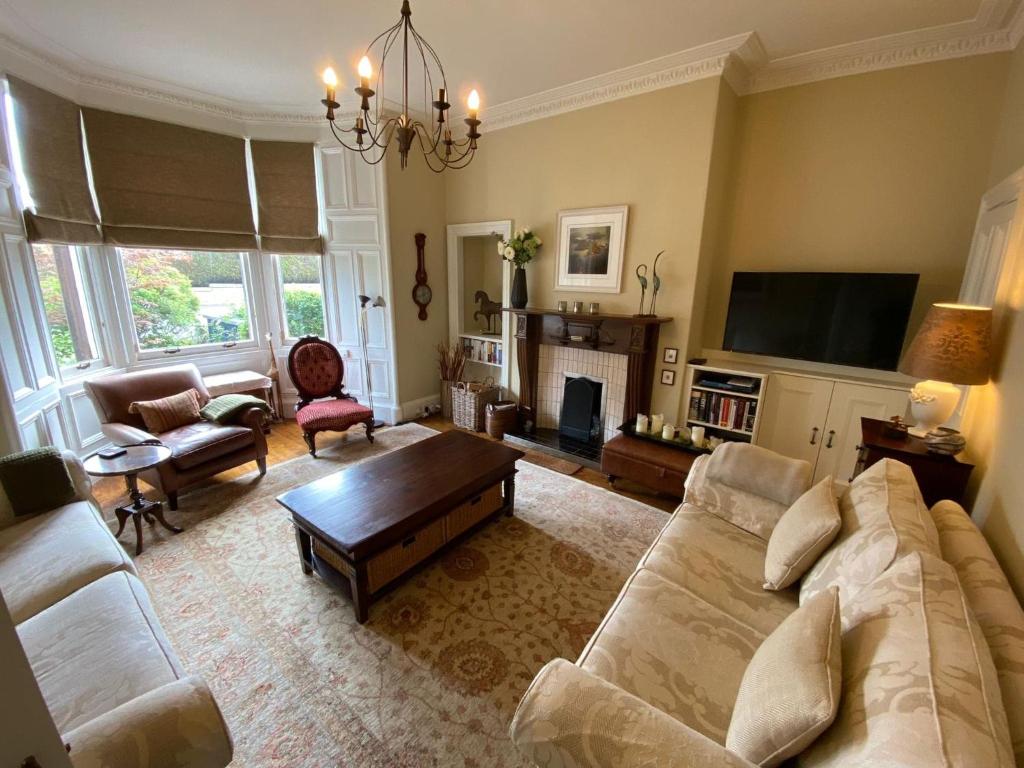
{"points": [[844, 318]]}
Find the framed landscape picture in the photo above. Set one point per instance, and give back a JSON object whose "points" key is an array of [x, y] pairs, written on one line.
{"points": [[591, 242]]}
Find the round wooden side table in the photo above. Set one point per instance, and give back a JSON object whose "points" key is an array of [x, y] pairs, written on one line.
{"points": [[136, 458]]}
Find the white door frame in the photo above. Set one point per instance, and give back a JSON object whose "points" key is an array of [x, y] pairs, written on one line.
{"points": [[456, 232]]}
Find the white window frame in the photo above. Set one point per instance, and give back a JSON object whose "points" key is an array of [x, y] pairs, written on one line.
{"points": [[278, 288], [249, 286], [88, 283]]}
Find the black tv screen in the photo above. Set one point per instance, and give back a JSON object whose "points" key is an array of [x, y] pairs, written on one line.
{"points": [[842, 318]]}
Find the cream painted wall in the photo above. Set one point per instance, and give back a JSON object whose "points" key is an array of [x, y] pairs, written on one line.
{"points": [[651, 152], [995, 413], [1008, 153], [416, 204], [875, 172]]}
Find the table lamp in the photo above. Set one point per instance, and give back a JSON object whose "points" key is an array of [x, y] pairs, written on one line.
{"points": [[953, 346]]}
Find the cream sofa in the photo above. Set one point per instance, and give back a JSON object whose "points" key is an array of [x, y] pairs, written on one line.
{"points": [[932, 639], [111, 680]]}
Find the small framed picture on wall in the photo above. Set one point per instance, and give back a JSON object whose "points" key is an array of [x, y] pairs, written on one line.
{"points": [[668, 377], [670, 356]]}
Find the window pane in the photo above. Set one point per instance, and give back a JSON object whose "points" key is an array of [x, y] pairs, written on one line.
{"points": [[183, 298], [65, 301], [303, 295]]}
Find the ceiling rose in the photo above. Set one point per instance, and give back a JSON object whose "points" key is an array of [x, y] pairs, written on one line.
{"points": [[374, 131]]}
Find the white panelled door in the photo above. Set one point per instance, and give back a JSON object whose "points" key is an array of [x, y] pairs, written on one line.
{"points": [[32, 414], [357, 262]]}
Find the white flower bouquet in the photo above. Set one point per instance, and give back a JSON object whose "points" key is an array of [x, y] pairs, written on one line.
{"points": [[521, 248]]}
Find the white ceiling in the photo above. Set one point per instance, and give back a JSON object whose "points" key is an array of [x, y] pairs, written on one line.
{"points": [[266, 54]]}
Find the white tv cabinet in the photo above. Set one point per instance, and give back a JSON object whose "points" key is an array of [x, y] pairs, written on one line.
{"points": [[811, 415]]}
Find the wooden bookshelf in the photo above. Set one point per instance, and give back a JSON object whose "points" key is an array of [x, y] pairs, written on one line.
{"points": [[725, 401]]}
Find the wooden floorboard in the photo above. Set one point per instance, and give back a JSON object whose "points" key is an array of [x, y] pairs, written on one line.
{"points": [[285, 443]]}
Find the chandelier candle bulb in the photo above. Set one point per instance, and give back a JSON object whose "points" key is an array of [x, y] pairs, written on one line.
{"points": [[473, 103], [365, 70]]}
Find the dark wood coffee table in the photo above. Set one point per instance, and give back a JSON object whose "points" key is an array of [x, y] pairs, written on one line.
{"points": [[376, 520]]}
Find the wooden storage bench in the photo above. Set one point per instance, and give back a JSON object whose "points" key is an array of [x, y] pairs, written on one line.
{"points": [[659, 467]]}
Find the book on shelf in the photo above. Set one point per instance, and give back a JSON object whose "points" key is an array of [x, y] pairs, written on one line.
{"points": [[721, 410], [480, 351]]}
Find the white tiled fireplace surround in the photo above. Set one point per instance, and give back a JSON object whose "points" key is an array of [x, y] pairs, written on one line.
{"points": [[555, 363]]}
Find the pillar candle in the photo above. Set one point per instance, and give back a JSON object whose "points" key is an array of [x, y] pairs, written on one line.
{"points": [[641, 423], [697, 435], [668, 432], [657, 422]]}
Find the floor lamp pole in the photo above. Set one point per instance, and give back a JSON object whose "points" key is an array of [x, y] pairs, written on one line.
{"points": [[363, 309]]}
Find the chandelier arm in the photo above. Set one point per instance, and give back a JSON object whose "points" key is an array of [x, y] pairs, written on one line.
{"points": [[433, 139], [345, 144], [378, 110]]}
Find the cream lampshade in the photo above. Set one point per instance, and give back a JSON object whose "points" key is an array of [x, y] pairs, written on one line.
{"points": [[953, 346]]}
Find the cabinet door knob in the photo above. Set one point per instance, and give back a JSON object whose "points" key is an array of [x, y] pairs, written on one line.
{"points": [[814, 436], [831, 437]]}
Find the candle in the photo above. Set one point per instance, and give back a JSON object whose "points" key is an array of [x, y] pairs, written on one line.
{"points": [[473, 104], [365, 70], [697, 435], [331, 81], [684, 434], [657, 422], [641, 424], [668, 432]]}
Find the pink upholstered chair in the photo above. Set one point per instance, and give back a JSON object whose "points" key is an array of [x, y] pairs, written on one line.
{"points": [[317, 372]]}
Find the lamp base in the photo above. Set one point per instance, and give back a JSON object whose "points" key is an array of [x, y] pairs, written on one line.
{"points": [[931, 404]]}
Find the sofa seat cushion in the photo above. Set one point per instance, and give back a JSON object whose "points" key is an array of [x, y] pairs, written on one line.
{"points": [[675, 651], [883, 518], [721, 564], [98, 649], [919, 686], [994, 606], [198, 443], [46, 558]]}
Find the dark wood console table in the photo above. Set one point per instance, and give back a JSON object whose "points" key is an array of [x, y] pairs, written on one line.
{"points": [[939, 477], [636, 337]]}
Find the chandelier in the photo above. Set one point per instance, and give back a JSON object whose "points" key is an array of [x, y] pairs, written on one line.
{"points": [[373, 131]]}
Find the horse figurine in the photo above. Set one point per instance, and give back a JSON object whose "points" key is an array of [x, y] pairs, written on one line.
{"points": [[489, 309]]}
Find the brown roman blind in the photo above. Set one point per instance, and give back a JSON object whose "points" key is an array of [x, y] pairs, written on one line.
{"points": [[168, 186], [286, 196], [53, 160]]}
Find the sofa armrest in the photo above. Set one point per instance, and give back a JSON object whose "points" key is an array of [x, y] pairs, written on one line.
{"points": [[569, 717], [124, 434], [177, 724], [79, 477], [255, 419]]}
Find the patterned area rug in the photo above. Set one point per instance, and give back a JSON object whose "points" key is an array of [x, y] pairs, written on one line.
{"points": [[433, 678]]}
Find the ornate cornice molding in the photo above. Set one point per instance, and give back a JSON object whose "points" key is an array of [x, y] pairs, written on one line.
{"points": [[741, 60]]}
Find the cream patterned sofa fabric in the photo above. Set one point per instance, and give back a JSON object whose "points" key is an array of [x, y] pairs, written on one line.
{"points": [[790, 690], [721, 564], [173, 726], [919, 685], [97, 649], [47, 557], [883, 518], [744, 509], [673, 650], [570, 719], [759, 471], [803, 532], [994, 605]]}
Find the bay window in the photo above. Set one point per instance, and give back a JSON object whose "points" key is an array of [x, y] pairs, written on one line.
{"points": [[65, 284], [300, 279], [183, 299]]}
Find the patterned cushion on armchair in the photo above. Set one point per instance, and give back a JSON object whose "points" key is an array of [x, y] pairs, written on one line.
{"points": [[335, 415]]}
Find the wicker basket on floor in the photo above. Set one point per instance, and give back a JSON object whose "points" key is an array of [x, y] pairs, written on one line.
{"points": [[468, 402], [500, 417]]}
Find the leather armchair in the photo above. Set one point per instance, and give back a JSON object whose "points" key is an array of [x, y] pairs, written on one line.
{"points": [[197, 450]]}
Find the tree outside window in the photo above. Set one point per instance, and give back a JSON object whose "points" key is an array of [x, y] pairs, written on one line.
{"points": [[302, 291], [186, 298], [66, 302]]}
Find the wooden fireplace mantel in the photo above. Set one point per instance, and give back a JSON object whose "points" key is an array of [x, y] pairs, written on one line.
{"points": [[630, 335]]}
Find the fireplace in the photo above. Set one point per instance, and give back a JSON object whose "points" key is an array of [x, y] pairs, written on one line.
{"points": [[581, 409]]}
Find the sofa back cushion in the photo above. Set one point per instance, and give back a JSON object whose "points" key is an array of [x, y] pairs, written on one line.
{"points": [[994, 605], [113, 395], [919, 686], [748, 511], [883, 518], [760, 471]]}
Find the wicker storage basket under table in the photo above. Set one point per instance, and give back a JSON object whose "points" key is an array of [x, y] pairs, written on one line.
{"points": [[468, 402], [500, 417]]}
